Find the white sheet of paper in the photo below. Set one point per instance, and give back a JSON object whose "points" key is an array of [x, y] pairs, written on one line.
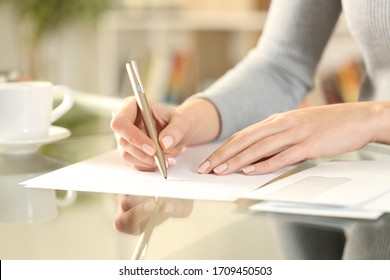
{"points": [[381, 203], [339, 183], [313, 210], [109, 174]]}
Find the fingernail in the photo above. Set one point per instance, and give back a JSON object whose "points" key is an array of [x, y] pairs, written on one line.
{"points": [[249, 169], [113, 113], [171, 161], [220, 168], [167, 141], [203, 167], [169, 208], [147, 149], [150, 205]]}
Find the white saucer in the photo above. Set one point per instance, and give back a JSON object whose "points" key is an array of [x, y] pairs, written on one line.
{"points": [[56, 133]]}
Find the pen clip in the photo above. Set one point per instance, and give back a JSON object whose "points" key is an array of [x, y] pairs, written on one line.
{"points": [[135, 79]]}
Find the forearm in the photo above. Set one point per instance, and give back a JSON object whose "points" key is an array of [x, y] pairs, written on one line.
{"points": [[276, 75]]}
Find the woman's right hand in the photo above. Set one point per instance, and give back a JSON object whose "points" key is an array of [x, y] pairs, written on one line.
{"points": [[134, 211], [193, 122]]}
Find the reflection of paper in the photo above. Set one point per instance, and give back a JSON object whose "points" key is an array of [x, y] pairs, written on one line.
{"points": [[108, 173], [340, 183], [314, 210]]}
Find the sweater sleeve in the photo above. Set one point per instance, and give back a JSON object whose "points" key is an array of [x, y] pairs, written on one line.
{"points": [[276, 75]]}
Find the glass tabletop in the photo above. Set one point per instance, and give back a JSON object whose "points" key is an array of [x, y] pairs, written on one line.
{"points": [[206, 230]]}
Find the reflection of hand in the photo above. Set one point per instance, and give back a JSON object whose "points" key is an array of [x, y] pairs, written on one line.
{"points": [[133, 212], [287, 138], [193, 122]]}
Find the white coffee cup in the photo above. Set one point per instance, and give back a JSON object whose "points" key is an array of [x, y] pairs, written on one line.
{"points": [[19, 204], [26, 109]]}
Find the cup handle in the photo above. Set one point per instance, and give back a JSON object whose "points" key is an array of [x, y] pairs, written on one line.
{"points": [[66, 104], [68, 199]]}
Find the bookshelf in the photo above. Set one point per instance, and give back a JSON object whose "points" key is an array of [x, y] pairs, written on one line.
{"points": [[179, 51], [343, 84], [183, 50]]}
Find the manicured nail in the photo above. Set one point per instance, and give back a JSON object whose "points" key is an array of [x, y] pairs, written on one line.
{"points": [[203, 167], [220, 168], [249, 169], [167, 141], [169, 208], [150, 205], [171, 161], [147, 149]]}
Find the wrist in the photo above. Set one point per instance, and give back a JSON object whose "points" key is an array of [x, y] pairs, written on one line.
{"points": [[203, 120], [381, 127]]}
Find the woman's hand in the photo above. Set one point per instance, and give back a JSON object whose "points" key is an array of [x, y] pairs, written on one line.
{"points": [[193, 122], [287, 138], [135, 146], [133, 212]]}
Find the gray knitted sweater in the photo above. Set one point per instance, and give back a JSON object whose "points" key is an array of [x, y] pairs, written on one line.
{"points": [[277, 74]]}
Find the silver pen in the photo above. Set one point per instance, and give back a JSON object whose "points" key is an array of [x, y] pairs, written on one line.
{"points": [[147, 116]]}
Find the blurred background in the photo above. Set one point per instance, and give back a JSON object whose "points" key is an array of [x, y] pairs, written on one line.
{"points": [[182, 45]]}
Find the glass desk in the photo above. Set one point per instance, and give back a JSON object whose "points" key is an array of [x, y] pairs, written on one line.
{"points": [[84, 230]]}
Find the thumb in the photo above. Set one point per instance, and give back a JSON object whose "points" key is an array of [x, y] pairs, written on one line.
{"points": [[174, 133]]}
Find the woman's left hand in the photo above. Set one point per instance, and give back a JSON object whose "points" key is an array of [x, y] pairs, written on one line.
{"points": [[287, 138]]}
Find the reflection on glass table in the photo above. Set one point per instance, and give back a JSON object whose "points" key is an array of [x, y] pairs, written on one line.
{"points": [[198, 229]]}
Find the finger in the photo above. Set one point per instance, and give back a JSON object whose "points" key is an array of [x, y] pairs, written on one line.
{"points": [[140, 158], [137, 159], [238, 143], [289, 156], [264, 148], [137, 164], [261, 149], [126, 202], [174, 132], [173, 152], [131, 220], [177, 208], [123, 123]]}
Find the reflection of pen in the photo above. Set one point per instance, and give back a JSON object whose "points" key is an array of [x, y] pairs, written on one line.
{"points": [[143, 241], [147, 115]]}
